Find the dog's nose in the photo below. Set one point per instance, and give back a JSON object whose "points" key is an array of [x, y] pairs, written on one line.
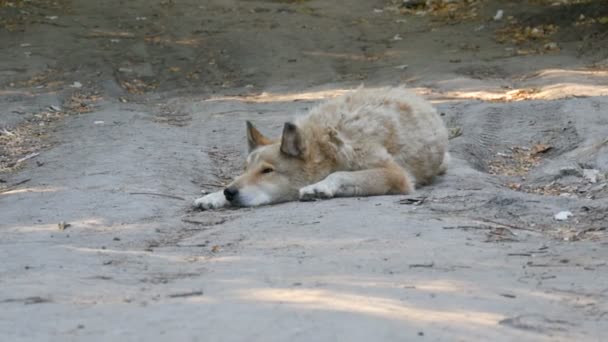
{"points": [[230, 194]]}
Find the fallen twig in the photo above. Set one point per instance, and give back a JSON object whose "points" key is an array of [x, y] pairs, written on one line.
{"points": [[27, 300], [520, 254], [6, 132], [12, 187], [109, 34], [202, 223], [505, 224], [590, 230], [467, 227], [186, 294], [21, 182], [422, 265], [413, 200], [29, 156], [212, 184], [157, 194]]}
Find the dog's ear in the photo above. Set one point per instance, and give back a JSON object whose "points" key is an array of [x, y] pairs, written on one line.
{"points": [[255, 138], [292, 142]]}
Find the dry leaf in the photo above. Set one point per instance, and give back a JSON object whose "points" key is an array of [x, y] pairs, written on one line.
{"points": [[540, 148], [62, 225]]}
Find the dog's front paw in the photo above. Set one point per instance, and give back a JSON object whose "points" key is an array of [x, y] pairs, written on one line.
{"points": [[313, 192], [212, 201]]}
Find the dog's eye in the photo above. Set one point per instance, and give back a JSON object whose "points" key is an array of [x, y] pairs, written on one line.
{"points": [[267, 170]]}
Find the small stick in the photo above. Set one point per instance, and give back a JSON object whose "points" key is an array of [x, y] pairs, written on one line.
{"points": [[467, 227], [157, 194], [506, 224], [12, 187], [213, 223], [29, 156], [6, 132], [212, 184], [186, 294], [22, 182]]}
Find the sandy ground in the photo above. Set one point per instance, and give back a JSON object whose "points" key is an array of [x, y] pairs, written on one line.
{"points": [[114, 116]]}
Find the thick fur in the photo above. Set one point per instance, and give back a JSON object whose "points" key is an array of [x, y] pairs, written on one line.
{"points": [[369, 142]]}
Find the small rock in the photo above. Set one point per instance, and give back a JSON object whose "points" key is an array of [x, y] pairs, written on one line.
{"points": [[535, 32], [99, 122], [569, 171], [55, 108], [397, 37], [599, 187], [52, 17], [454, 132], [591, 175], [499, 15], [562, 215], [551, 46], [401, 67], [62, 225], [76, 84]]}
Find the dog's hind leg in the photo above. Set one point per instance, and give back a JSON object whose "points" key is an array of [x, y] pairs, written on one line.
{"points": [[390, 179], [443, 168]]}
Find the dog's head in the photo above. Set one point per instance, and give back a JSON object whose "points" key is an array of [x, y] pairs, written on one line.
{"points": [[274, 171]]}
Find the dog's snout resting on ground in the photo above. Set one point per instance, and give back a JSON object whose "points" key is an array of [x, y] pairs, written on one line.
{"points": [[369, 142]]}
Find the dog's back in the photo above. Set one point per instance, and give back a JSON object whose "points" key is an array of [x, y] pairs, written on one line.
{"points": [[373, 126]]}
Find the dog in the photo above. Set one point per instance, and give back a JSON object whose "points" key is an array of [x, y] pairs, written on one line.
{"points": [[369, 142]]}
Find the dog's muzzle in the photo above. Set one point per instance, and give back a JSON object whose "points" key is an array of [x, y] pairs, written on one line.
{"points": [[230, 194]]}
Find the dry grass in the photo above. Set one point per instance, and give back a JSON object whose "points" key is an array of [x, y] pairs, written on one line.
{"points": [[518, 161], [32, 136]]}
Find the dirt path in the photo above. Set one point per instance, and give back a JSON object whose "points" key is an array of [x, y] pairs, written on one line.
{"points": [[114, 116]]}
